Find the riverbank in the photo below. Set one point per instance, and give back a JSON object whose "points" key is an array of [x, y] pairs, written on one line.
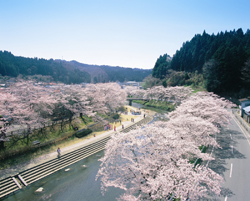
{"points": [[157, 106], [69, 146]]}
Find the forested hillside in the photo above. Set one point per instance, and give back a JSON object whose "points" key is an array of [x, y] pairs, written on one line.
{"points": [[126, 74], [11, 65], [221, 59], [106, 73], [67, 71]]}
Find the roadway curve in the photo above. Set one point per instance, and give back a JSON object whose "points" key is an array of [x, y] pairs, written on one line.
{"points": [[233, 163]]}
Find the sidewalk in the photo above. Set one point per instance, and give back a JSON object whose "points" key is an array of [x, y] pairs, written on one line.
{"points": [[241, 121], [46, 157]]}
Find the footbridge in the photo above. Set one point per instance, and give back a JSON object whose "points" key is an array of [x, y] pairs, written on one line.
{"points": [[16, 182]]}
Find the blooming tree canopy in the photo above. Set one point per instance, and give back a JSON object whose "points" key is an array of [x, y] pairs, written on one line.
{"points": [[106, 96], [175, 94], [154, 162], [21, 104], [27, 104], [208, 106], [134, 91]]}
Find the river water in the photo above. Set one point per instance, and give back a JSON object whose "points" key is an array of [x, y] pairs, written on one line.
{"points": [[77, 184]]}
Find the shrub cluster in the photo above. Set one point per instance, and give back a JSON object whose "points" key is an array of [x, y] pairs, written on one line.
{"points": [[83, 132]]}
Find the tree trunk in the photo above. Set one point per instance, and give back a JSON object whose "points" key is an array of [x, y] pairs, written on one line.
{"points": [[1, 145], [62, 125]]}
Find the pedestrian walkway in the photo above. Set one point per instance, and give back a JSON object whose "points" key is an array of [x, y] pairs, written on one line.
{"points": [[25, 174], [46, 157]]}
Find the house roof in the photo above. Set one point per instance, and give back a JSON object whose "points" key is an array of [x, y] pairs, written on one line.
{"points": [[247, 109], [243, 99]]}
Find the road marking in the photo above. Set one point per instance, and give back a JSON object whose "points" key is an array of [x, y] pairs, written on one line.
{"points": [[232, 149], [231, 136], [231, 171], [226, 198]]}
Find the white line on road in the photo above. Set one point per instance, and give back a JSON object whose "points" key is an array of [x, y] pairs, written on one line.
{"points": [[231, 136], [226, 198], [232, 149], [231, 170]]}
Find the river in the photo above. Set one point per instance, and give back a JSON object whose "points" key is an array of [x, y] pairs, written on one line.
{"points": [[76, 184]]}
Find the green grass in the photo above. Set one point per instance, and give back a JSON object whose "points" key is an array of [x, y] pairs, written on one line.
{"points": [[158, 106], [199, 161], [197, 88], [19, 152], [17, 147]]}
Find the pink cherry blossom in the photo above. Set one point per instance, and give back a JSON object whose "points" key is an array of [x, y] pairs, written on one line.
{"points": [[153, 163]]}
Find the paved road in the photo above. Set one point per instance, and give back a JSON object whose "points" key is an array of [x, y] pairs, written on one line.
{"points": [[233, 163]]}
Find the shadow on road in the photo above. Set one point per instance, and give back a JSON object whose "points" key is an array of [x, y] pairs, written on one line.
{"points": [[219, 165], [224, 192], [225, 152]]}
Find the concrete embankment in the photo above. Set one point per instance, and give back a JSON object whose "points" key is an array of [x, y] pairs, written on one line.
{"points": [[50, 164]]}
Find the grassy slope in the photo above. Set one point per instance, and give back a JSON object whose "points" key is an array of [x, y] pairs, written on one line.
{"points": [[157, 106], [60, 141]]}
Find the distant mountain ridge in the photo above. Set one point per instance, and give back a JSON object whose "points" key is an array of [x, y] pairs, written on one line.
{"points": [[92, 70], [67, 71], [104, 73]]}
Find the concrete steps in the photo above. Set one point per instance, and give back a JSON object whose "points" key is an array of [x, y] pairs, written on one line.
{"points": [[24, 178], [7, 186], [33, 174], [139, 123]]}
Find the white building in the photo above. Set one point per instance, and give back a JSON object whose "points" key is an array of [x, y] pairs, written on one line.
{"points": [[132, 83]]}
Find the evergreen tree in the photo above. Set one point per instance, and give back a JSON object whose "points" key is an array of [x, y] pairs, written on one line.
{"points": [[219, 58], [161, 66]]}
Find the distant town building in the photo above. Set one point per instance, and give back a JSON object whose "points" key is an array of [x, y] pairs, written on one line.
{"points": [[129, 83], [132, 83]]}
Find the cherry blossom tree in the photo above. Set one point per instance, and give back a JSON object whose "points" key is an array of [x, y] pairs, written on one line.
{"points": [[71, 100], [176, 94], [154, 162], [106, 97], [195, 129], [3, 137], [23, 104], [39, 99], [135, 92], [208, 106], [5, 100], [14, 112], [28, 105], [75, 100]]}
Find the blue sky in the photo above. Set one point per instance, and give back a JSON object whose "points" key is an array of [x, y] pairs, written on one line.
{"points": [[127, 33]]}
